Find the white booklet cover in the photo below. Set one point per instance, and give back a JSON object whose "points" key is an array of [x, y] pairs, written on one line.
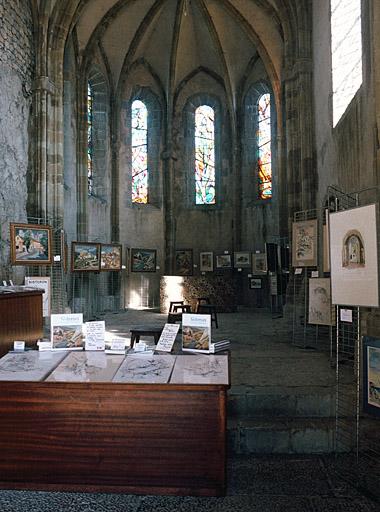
{"points": [[196, 332], [67, 331]]}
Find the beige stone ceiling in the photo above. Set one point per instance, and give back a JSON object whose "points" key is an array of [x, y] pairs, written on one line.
{"points": [[175, 37]]}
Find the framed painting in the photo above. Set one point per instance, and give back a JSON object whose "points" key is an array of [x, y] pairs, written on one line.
{"points": [[184, 262], [143, 260], [85, 257], [110, 256], [259, 263], [223, 261], [242, 259], [353, 257], [320, 305], [255, 283], [371, 375], [304, 243], [206, 261], [31, 244]]}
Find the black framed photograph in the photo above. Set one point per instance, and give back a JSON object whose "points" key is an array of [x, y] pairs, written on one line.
{"points": [[143, 260], [371, 375]]}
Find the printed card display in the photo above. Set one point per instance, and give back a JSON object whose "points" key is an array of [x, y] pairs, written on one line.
{"points": [[167, 338], [67, 331], [95, 335], [196, 332], [42, 283]]}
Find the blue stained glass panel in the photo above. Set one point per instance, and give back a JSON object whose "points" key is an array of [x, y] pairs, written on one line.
{"points": [[204, 155], [139, 152]]}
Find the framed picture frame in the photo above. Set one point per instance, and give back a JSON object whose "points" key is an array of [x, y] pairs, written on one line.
{"points": [[353, 257], [223, 261], [85, 257], [371, 375], [31, 244], [320, 305], [206, 261], [259, 263], [110, 257], [184, 262], [143, 260], [242, 259], [255, 283], [304, 243]]}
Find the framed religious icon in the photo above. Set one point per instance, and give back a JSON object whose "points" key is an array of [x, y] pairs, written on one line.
{"points": [[304, 243], [242, 259], [143, 260], [110, 257], [85, 257], [206, 261], [184, 262], [31, 244]]}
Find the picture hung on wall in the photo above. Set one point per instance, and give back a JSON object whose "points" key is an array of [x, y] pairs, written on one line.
{"points": [[206, 261], [371, 375], [353, 257], [259, 263], [42, 283], [31, 244], [223, 261], [242, 259], [143, 260], [184, 262], [304, 243], [110, 257], [320, 306], [272, 257], [85, 257], [255, 283]]}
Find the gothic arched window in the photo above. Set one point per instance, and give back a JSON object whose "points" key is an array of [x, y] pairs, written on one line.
{"points": [[204, 133], [139, 152], [264, 143], [90, 138], [346, 53]]}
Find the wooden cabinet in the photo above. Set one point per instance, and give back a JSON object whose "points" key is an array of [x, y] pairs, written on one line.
{"points": [[20, 317]]}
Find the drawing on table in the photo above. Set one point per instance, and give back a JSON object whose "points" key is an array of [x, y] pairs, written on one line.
{"points": [[200, 369], [146, 368], [29, 366], [87, 367]]}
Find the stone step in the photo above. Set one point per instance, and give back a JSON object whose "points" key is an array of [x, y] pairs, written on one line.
{"points": [[245, 402], [281, 435]]}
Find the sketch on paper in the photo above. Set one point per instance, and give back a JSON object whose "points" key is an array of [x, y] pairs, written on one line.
{"points": [[304, 240], [200, 369], [353, 254], [87, 367], [28, 366], [320, 306], [154, 369]]}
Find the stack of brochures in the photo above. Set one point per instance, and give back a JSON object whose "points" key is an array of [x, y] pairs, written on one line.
{"points": [[217, 346]]}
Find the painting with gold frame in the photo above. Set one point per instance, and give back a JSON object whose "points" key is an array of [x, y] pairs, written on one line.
{"points": [[31, 244]]}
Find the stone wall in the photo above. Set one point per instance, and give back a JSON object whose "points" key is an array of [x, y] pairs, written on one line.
{"points": [[16, 75]]}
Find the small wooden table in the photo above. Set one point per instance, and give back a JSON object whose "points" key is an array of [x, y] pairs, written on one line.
{"points": [[136, 332]]}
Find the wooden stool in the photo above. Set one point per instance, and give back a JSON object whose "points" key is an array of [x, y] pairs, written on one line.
{"points": [[136, 332], [176, 316], [174, 304], [209, 309]]}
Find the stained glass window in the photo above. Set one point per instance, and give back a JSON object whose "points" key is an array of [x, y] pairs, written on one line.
{"points": [[90, 138], [204, 155], [346, 52], [263, 138], [139, 152]]}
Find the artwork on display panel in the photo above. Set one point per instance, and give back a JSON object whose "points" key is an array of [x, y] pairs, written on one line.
{"points": [[184, 262], [242, 259], [320, 306], [353, 257], [110, 257], [31, 244], [223, 261], [304, 243], [259, 263], [143, 260], [206, 261], [371, 375], [85, 257], [255, 283]]}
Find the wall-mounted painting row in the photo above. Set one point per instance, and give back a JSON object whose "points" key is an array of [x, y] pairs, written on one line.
{"points": [[94, 257]]}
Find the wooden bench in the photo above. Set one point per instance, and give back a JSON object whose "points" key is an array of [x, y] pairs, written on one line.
{"points": [[136, 332]]}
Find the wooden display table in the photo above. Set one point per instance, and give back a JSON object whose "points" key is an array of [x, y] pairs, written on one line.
{"points": [[134, 438], [20, 316]]}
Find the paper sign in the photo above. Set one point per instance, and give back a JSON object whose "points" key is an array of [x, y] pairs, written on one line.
{"points": [[314, 273], [19, 345], [95, 335], [117, 344], [42, 283], [57, 258], [298, 271], [167, 338], [45, 345], [346, 315]]}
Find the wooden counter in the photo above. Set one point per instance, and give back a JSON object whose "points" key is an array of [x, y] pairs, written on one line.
{"points": [[20, 317]]}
